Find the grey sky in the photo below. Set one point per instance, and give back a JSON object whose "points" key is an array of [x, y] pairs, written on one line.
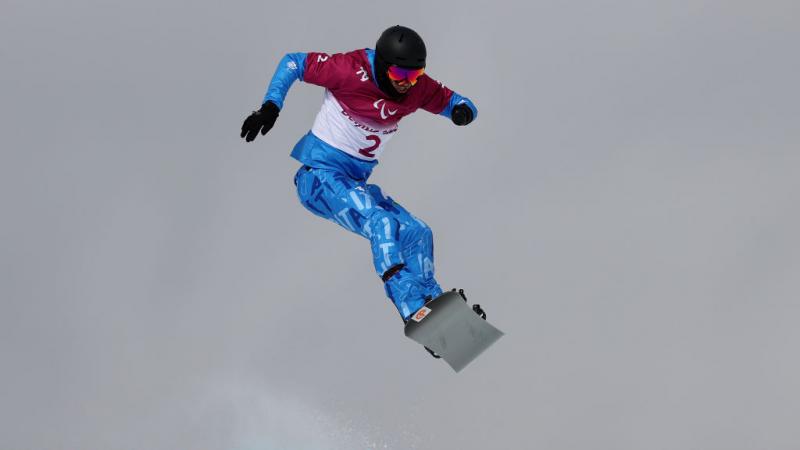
{"points": [[625, 208]]}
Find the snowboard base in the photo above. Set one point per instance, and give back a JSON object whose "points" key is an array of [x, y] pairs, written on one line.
{"points": [[449, 327]]}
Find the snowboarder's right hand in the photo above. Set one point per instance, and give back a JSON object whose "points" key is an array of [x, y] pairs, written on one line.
{"points": [[261, 120]]}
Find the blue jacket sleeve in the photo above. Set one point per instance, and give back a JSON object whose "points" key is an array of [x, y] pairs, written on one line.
{"points": [[457, 99], [290, 68]]}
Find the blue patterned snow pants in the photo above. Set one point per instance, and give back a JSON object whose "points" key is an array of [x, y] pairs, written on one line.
{"points": [[396, 236]]}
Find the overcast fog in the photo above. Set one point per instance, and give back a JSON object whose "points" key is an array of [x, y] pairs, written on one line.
{"points": [[625, 208]]}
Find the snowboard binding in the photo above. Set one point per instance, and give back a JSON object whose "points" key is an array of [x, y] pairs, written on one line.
{"points": [[433, 353], [476, 307]]}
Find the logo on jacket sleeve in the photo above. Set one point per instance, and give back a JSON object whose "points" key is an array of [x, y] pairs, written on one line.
{"points": [[361, 71]]}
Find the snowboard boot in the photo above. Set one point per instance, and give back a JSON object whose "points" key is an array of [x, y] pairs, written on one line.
{"points": [[405, 321]]}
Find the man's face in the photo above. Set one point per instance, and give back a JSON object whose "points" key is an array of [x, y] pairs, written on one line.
{"points": [[401, 86]]}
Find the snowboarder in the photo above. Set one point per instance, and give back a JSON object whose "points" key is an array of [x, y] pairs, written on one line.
{"points": [[367, 93]]}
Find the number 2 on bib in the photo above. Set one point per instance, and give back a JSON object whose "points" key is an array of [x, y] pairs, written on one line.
{"points": [[368, 150]]}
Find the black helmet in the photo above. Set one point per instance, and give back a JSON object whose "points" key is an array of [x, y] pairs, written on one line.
{"points": [[401, 46]]}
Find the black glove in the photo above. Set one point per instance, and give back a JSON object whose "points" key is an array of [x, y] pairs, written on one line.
{"points": [[461, 114], [261, 120]]}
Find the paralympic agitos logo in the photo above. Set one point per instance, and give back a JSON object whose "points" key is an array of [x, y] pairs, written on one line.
{"points": [[382, 108]]}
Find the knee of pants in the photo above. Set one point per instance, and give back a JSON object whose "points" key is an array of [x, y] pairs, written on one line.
{"points": [[303, 183], [382, 226], [416, 232], [307, 190]]}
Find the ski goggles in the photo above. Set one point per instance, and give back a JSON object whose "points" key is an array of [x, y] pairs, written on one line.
{"points": [[397, 73]]}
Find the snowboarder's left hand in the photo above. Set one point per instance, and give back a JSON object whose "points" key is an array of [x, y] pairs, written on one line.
{"points": [[462, 114]]}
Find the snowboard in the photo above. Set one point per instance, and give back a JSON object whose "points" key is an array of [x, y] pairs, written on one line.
{"points": [[449, 327]]}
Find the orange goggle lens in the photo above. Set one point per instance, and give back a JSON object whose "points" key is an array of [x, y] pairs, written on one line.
{"points": [[399, 73]]}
